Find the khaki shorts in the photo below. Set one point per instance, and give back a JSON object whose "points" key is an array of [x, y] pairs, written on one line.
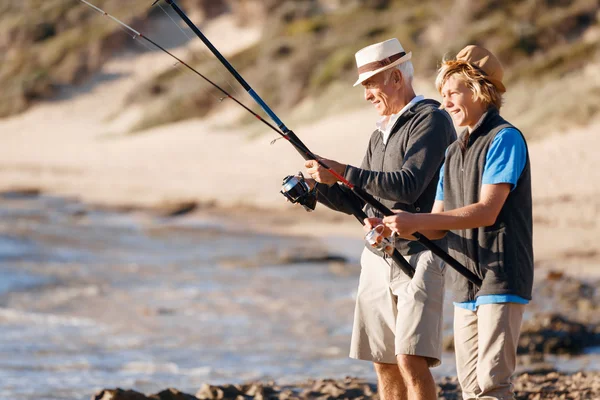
{"points": [[396, 315]]}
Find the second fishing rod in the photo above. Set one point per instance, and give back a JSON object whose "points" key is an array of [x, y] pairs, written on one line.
{"points": [[307, 154], [356, 207]]}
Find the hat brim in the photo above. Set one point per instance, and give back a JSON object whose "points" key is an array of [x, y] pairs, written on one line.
{"points": [[499, 85], [364, 76]]}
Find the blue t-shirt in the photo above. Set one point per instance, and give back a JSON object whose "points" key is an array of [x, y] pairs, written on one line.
{"points": [[504, 163], [491, 299]]}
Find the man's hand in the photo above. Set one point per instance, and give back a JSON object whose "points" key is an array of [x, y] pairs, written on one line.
{"points": [[310, 182], [403, 223], [322, 175], [372, 222]]}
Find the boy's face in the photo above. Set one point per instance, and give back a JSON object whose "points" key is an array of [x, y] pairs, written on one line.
{"points": [[459, 101]]}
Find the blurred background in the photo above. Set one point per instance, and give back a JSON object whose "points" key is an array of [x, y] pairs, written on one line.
{"points": [[143, 239]]}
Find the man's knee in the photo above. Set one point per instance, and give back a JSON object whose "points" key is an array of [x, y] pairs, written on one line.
{"points": [[384, 369], [408, 364]]}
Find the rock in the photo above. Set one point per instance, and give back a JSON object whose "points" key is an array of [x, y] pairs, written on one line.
{"points": [[565, 292], [554, 275], [207, 392], [22, 193], [284, 256], [259, 391], [118, 394], [175, 210], [327, 387], [232, 392], [555, 334], [585, 305], [172, 394]]}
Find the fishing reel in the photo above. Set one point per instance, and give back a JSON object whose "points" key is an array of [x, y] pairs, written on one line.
{"points": [[378, 241], [296, 190]]}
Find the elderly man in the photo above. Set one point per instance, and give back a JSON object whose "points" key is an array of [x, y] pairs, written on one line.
{"points": [[398, 321]]}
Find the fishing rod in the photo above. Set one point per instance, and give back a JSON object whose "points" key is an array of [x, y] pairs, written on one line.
{"points": [[307, 154], [356, 208]]}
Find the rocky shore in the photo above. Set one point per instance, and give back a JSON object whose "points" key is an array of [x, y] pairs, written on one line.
{"points": [[531, 386], [559, 329]]}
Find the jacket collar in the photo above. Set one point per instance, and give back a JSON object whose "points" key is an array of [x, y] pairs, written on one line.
{"points": [[412, 111], [480, 128], [392, 119]]}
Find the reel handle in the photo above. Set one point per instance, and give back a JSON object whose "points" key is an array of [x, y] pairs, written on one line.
{"points": [[376, 239]]}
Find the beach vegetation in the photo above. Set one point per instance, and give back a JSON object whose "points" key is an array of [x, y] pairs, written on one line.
{"points": [[306, 54]]}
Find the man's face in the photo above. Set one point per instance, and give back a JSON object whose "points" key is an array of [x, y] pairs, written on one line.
{"points": [[459, 101], [384, 96]]}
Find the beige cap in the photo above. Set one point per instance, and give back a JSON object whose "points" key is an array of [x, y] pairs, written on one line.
{"points": [[484, 60]]}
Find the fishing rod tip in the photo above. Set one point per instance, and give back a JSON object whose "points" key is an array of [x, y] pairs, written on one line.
{"points": [[153, 4]]}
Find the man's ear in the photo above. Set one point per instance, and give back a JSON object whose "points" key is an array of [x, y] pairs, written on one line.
{"points": [[397, 76]]}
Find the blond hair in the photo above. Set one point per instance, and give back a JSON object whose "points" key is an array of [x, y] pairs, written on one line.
{"points": [[476, 80]]}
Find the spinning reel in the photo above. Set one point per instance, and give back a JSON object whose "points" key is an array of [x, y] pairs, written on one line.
{"points": [[377, 241], [297, 190]]}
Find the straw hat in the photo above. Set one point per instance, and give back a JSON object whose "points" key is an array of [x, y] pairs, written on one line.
{"points": [[378, 57]]}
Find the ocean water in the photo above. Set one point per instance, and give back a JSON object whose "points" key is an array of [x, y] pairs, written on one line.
{"points": [[93, 299]]}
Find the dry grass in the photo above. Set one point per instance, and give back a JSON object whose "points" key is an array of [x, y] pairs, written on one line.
{"points": [[308, 54], [48, 43], [539, 41]]}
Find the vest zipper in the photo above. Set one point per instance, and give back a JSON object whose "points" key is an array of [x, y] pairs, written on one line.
{"points": [[470, 286]]}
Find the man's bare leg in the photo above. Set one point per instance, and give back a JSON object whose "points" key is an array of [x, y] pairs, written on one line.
{"points": [[417, 378], [390, 385]]}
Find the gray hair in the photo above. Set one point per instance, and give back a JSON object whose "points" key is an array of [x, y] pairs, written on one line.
{"points": [[406, 69]]}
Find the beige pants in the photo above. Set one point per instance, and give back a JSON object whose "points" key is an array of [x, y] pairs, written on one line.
{"points": [[396, 315], [486, 342]]}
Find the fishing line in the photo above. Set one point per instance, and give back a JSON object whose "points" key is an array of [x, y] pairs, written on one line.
{"points": [[203, 52], [288, 135], [129, 30], [300, 147], [176, 65], [180, 63]]}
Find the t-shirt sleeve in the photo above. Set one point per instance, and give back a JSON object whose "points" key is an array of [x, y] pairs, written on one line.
{"points": [[505, 159], [439, 194]]}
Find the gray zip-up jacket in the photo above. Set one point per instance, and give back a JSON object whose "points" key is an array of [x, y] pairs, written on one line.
{"points": [[403, 173]]}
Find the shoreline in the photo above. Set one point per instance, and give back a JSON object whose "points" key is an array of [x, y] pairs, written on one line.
{"points": [[571, 256], [534, 385]]}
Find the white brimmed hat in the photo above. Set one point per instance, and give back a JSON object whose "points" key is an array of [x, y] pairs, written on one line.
{"points": [[378, 57]]}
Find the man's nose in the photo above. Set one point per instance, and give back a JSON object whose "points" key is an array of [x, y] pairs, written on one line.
{"points": [[368, 94]]}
